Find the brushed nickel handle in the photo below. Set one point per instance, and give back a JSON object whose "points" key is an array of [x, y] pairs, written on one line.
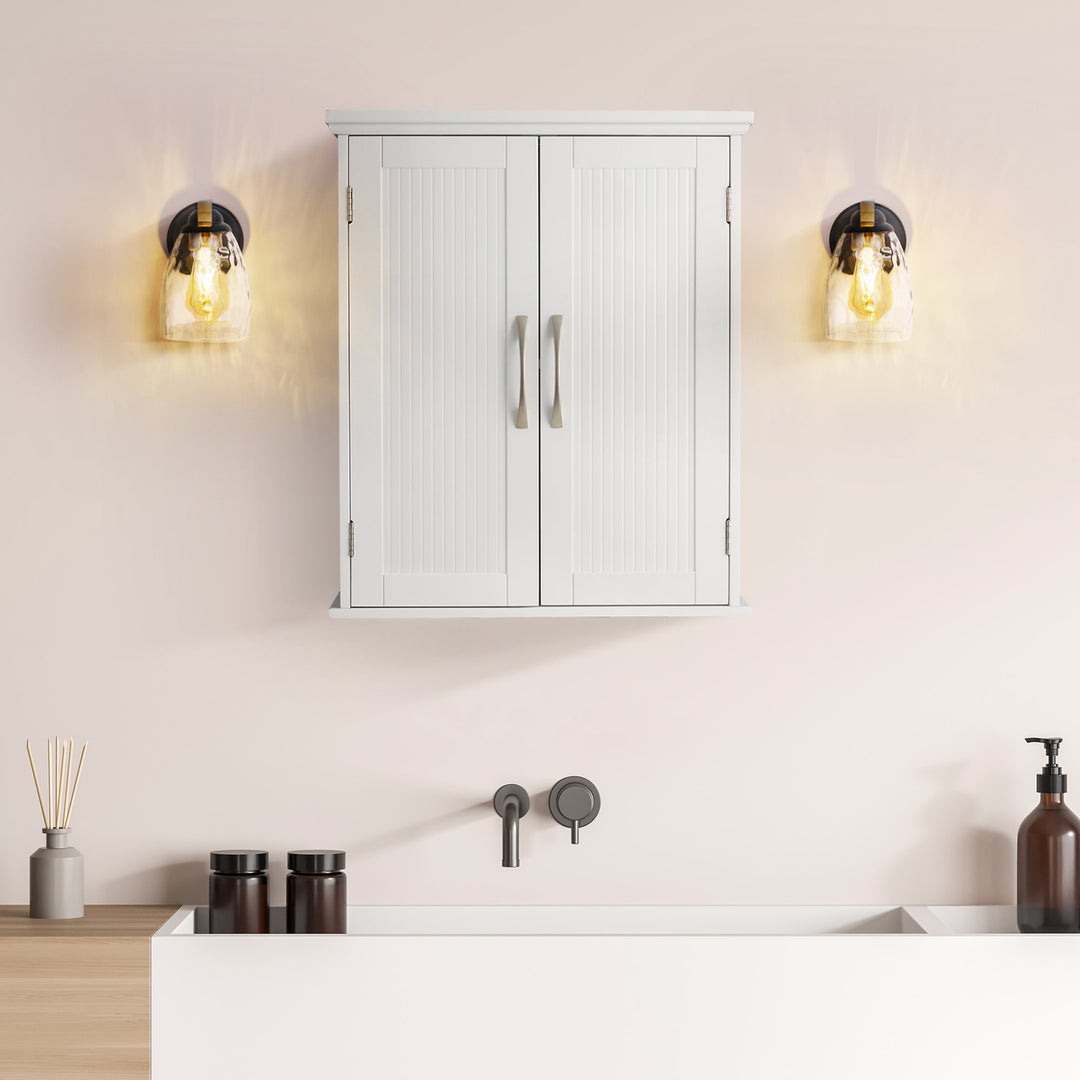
{"points": [[556, 332], [522, 413]]}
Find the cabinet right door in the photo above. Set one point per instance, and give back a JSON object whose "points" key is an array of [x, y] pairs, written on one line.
{"points": [[635, 257]]}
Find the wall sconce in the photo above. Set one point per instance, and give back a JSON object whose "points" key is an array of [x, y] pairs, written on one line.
{"points": [[204, 293], [868, 290]]}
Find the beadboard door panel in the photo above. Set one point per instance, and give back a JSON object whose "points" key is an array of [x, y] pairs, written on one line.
{"points": [[635, 257], [443, 259]]}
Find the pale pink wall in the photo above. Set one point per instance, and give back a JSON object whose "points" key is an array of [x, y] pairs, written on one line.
{"points": [[911, 513]]}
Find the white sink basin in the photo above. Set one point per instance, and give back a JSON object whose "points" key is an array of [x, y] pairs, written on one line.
{"points": [[524, 921], [614, 993], [999, 919]]}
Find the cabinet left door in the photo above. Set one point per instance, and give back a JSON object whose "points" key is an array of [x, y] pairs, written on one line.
{"points": [[443, 276]]}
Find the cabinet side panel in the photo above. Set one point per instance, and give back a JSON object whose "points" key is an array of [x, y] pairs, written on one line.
{"points": [[735, 374], [366, 369], [711, 358], [344, 453]]}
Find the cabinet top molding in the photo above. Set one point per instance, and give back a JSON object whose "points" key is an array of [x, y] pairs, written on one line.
{"points": [[351, 122]]}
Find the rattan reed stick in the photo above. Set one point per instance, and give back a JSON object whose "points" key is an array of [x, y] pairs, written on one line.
{"points": [[37, 784], [75, 788], [67, 769]]}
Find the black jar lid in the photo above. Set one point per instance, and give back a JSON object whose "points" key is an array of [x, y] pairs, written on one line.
{"points": [[316, 861], [238, 861]]}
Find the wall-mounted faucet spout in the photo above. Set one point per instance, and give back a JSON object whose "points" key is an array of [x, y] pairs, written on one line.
{"points": [[511, 804], [511, 817]]}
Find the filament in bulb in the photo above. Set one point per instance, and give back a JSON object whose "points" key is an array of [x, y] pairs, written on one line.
{"points": [[208, 292], [871, 292]]}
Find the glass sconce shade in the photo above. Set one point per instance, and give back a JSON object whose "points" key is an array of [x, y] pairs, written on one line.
{"points": [[204, 293], [868, 291]]}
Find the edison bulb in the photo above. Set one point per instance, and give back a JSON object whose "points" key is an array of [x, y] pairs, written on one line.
{"points": [[871, 292], [208, 293], [205, 294]]}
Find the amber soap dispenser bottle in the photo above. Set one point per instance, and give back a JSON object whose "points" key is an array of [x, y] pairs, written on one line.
{"points": [[1048, 856]]}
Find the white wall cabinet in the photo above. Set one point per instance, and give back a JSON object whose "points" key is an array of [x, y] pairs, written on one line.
{"points": [[539, 363]]}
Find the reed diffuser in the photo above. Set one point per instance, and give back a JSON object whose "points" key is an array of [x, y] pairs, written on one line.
{"points": [[56, 870]]}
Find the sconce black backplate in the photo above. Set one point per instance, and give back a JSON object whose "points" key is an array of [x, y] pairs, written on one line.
{"points": [[181, 219], [843, 219]]}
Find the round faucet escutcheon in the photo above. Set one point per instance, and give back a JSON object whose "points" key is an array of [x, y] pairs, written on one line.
{"points": [[505, 792], [574, 802]]}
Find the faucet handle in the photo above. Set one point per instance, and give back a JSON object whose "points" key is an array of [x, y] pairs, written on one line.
{"points": [[574, 802]]}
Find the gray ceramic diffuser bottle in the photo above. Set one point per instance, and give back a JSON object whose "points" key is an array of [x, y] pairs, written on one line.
{"points": [[56, 878]]}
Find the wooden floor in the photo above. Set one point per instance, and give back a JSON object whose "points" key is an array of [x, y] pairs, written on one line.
{"points": [[75, 994]]}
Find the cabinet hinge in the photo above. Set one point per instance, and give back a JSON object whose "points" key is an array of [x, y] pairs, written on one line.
{"points": [[729, 202], [352, 540], [348, 204], [727, 537]]}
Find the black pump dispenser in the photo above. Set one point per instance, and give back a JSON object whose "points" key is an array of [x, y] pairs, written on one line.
{"points": [[1051, 780]]}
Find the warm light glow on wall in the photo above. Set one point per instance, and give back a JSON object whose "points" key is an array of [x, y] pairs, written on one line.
{"points": [[868, 291], [205, 294]]}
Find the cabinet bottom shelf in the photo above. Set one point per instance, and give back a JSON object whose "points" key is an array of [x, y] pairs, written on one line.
{"points": [[623, 611]]}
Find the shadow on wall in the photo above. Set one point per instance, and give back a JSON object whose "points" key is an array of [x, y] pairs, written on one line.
{"points": [[540, 819], [174, 883], [993, 867], [981, 861], [421, 830], [186, 882], [419, 656]]}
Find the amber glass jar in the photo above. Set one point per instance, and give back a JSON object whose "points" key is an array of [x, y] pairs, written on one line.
{"points": [[315, 893], [238, 903]]}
